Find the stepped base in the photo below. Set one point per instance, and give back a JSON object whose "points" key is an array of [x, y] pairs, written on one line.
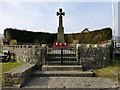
{"points": [[63, 74], [64, 62], [61, 68]]}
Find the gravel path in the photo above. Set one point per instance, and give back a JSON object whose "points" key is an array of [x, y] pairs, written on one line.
{"points": [[71, 82]]}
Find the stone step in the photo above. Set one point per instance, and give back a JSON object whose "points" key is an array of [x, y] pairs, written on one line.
{"points": [[59, 58], [59, 55], [55, 62], [61, 68], [63, 74]]}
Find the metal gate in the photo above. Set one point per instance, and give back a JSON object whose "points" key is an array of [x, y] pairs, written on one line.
{"points": [[62, 56]]}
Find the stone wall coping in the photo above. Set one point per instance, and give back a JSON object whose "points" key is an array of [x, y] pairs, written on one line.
{"points": [[23, 46], [93, 45], [21, 69], [17, 77]]}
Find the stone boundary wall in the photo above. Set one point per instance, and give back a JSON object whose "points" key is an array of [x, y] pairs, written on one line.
{"points": [[17, 77], [94, 56], [90, 56], [117, 53], [27, 53]]}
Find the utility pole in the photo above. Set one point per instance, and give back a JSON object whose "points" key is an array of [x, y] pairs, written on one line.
{"points": [[113, 19]]}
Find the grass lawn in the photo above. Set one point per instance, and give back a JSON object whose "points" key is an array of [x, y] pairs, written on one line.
{"points": [[112, 71]]}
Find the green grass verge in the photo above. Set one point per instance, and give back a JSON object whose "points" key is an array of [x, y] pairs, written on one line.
{"points": [[112, 71], [9, 65], [0, 52]]}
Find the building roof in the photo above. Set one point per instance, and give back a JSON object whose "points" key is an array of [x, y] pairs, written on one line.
{"points": [[85, 30]]}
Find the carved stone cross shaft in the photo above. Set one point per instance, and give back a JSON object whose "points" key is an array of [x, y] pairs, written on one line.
{"points": [[60, 14]]}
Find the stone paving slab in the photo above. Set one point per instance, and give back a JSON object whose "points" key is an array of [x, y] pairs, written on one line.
{"points": [[71, 82]]}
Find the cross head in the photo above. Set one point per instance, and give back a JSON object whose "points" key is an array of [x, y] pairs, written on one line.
{"points": [[60, 12]]}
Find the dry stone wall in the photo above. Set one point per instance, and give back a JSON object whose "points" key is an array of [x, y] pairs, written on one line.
{"points": [[27, 53], [92, 56]]}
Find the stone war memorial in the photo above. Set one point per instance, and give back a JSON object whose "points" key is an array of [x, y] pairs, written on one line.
{"points": [[60, 36], [59, 67]]}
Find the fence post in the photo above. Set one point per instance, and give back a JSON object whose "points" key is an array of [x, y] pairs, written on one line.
{"points": [[78, 56], [46, 54], [61, 55]]}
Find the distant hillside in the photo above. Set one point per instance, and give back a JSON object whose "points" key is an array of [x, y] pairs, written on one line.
{"points": [[23, 36]]}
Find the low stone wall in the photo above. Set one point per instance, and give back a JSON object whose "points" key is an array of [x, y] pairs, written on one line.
{"points": [[17, 77], [93, 56], [27, 53], [90, 56]]}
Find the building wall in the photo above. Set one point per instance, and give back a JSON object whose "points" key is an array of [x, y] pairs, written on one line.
{"points": [[1, 44]]}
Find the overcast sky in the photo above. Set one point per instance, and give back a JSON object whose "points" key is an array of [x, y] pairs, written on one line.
{"points": [[119, 19], [34, 15]]}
